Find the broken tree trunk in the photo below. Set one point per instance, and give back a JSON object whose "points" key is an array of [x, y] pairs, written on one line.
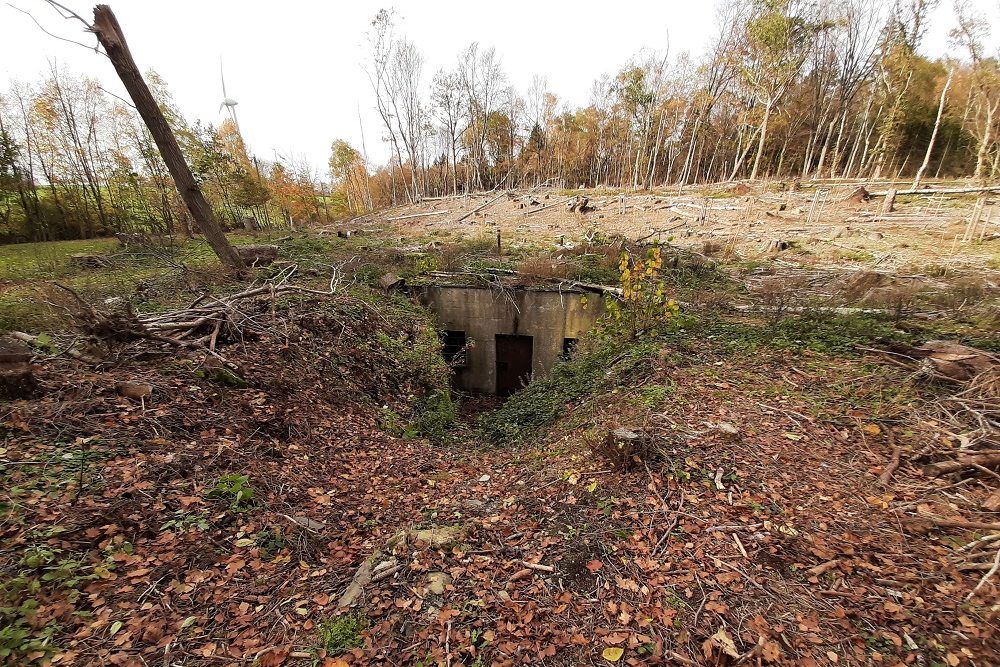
{"points": [[889, 205], [580, 204], [110, 35]]}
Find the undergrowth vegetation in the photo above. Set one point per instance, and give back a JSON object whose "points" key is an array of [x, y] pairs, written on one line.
{"points": [[645, 324]]}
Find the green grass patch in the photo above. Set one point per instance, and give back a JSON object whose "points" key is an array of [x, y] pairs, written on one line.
{"points": [[827, 333], [154, 277], [40, 261], [341, 633]]}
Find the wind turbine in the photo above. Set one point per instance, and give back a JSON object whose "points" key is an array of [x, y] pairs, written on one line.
{"points": [[227, 101]]}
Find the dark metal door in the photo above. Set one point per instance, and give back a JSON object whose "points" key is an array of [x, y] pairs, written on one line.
{"points": [[513, 362]]}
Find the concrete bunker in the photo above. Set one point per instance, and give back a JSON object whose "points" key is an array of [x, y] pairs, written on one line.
{"points": [[497, 339]]}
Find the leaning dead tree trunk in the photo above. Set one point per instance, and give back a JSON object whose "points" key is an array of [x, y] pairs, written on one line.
{"points": [[110, 35], [937, 125]]}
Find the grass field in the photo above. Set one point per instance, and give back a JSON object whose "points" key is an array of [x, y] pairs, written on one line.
{"points": [[28, 272]]}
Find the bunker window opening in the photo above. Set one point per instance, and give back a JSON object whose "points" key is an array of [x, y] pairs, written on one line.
{"points": [[568, 347], [453, 348]]}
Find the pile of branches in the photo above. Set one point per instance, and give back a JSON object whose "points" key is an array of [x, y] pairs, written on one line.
{"points": [[972, 415], [968, 412], [201, 326]]}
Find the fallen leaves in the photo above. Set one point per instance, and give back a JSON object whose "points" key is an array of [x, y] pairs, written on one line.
{"points": [[612, 653], [720, 641], [791, 519], [771, 652]]}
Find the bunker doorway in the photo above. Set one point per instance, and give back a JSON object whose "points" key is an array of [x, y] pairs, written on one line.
{"points": [[513, 362]]}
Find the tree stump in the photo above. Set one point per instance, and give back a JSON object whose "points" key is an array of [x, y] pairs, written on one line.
{"points": [[17, 379], [890, 202], [257, 255], [85, 261], [580, 204], [859, 195]]}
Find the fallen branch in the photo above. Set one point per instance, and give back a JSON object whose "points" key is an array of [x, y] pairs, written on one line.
{"points": [[419, 215], [962, 463], [547, 206], [975, 544], [886, 475], [70, 351], [538, 566], [481, 207], [986, 577], [943, 191], [824, 567], [959, 523]]}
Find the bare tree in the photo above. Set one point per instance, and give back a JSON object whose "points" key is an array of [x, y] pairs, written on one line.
{"points": [[482, 78], [382, 42], [971, 32], [403, 86], [447, 103]]}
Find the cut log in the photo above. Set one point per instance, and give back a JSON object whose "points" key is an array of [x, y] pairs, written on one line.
{"points": [[962, 463], [776, 245]]}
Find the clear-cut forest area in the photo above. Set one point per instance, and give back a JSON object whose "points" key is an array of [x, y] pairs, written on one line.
{"points": [[705, 372]]}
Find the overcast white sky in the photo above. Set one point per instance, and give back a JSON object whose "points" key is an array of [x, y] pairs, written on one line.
{"points": [[295, 67]]}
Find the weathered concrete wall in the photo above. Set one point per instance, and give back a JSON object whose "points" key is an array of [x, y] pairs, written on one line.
{"points": [[548, 316]]}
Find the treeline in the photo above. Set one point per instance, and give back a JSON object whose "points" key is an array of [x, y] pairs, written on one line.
{"points": [[787, 89], [77, 162]]}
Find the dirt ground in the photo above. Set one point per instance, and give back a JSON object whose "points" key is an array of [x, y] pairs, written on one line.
{"points": [[830, 231]]}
